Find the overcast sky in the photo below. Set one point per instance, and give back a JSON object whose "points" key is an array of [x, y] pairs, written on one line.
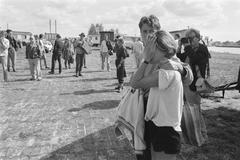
{"points": [[218, 19]]}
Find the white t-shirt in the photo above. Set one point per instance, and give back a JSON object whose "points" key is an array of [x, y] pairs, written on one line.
{"points": [[138, 48], [104, 46], [165, 102]]}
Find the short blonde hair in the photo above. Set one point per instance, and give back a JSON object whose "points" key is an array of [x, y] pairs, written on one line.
{"points": [[166, 43]]}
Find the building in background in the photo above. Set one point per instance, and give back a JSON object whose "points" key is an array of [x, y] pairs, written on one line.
{"points": [[50, 37], [180, 32], [95, 39]]}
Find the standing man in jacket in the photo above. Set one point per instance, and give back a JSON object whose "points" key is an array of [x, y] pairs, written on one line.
{"points": [[80, 53], [4, 45], [57, 54], [11, 50]]}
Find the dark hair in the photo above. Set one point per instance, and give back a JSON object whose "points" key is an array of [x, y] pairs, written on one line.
{"points": [[58, 36], [177, 35], [192, 30], [40, 35], [8, 30], [151, 20]]}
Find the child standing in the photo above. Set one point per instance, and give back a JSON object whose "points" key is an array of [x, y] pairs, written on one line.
{"points": [[121, 54]]}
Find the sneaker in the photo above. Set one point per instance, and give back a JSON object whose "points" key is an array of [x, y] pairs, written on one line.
{"points": [[39, 79], [85, 66], [32, 79], [80, 74], [117, 88]]}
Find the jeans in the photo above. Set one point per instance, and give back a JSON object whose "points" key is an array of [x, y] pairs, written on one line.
{"points": [[105, 56], [35, 69], [3, 60], [79, 63], [120, 71], [58, 58], [11, 57]]}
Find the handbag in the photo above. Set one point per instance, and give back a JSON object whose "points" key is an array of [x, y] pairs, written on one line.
{"points": [[71, 60], [193, 125], [130, 121]]}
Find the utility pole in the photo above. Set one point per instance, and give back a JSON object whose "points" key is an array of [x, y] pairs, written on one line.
{"points": [[55, 26], [50, 25]]}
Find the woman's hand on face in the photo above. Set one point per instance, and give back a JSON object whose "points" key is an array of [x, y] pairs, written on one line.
{"points": [[150, 47]]}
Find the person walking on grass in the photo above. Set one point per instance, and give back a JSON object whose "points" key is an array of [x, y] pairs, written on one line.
{"points": [[121, 54], [80, 52], [11, 50], [104, 53], [67, 53], [4, 45], [57, 54], [43, 52], [137, 51], [33, 55]]}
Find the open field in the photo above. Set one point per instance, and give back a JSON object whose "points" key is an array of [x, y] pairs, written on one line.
{"points": [[63, 117]]}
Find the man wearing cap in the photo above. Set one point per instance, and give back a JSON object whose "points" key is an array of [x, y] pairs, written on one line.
{"points": [[80, 53], [4, 45], [11, 50], [57, 54]]}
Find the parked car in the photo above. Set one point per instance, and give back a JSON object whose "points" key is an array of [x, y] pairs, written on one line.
{"points": [[48, 46]]}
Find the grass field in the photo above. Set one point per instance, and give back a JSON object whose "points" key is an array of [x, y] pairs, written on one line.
{"points": [[222, 116]]}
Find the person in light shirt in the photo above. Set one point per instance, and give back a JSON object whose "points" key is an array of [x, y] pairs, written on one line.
{"points": [[137, 51], [104, 53], [160, 77], [4, 45]]}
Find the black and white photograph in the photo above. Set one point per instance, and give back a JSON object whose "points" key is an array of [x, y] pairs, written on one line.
{"points": [[119, 80]]}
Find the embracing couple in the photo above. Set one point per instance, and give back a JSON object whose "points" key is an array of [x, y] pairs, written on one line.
{"points": [[161, 76]]}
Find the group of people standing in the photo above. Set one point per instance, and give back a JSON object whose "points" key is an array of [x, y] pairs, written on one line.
{"points": [[166, 80], [79, 47], [8, 49]]}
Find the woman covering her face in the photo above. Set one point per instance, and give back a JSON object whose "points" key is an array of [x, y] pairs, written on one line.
{"points": [[160, 78]]}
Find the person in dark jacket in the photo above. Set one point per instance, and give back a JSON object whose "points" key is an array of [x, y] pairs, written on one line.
{"points": [[80, 52], [11, 50], [197, 55], [121, 54], [57, 54]]}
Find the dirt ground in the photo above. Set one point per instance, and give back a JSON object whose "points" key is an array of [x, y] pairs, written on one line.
{"points": [[66, 118]]}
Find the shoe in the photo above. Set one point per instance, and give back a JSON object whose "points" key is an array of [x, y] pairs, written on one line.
{"points": [[14, 70], [32, 79], [8, 69], [76, 75], [117, 88], [39, 79], [50, 72], [85, 66], [80, 74]]}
